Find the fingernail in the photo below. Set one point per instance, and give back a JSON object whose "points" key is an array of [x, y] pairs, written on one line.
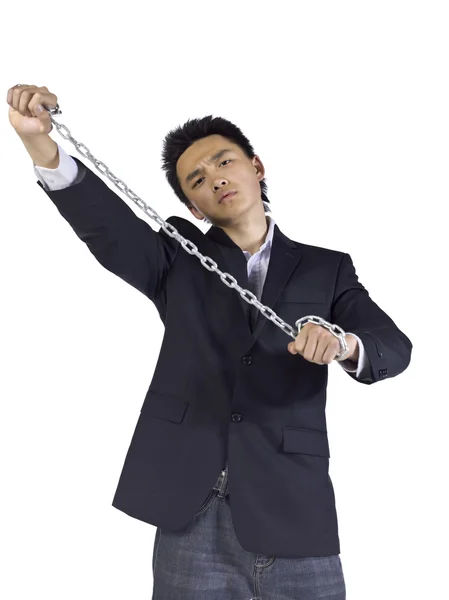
{"points": [[39, 108]]}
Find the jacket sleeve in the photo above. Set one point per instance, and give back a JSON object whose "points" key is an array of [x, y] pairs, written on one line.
{"points": [[388, 349], [122, 242]]}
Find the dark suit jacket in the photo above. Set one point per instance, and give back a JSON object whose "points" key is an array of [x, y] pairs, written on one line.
{"points": [[221, 393]]}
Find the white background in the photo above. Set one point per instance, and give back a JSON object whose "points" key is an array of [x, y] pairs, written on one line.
{"points": [[346, 103]]}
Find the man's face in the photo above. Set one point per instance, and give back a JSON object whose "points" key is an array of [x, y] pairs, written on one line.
{"points": [[231, 170]]}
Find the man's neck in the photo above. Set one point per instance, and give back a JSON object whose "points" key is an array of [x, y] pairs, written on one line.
{"points": [[251, 237]]}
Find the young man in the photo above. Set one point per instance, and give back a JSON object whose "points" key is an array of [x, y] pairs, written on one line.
{"points": [[230, 455]]}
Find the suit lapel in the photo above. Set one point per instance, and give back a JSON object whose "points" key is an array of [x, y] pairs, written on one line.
{"points": [[285, 256]]}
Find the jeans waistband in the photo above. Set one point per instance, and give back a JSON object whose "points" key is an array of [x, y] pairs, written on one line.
{"points": [[221, 485]]}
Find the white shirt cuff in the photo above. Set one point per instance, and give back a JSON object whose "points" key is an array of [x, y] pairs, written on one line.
{"points": [[362, 366], [61, 177]]}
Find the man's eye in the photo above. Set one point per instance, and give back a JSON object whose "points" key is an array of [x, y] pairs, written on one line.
{"points": [[223, 161]]}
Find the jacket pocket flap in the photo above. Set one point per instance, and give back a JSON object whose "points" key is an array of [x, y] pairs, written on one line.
{"points": [[303, 297], [306, 441], [161, 406]]}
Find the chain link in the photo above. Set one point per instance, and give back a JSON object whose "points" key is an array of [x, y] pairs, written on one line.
{"points": [[190, 247]]}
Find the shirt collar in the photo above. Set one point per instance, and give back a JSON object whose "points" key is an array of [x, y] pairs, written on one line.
{"points": [[216, 234], [269, 237]]}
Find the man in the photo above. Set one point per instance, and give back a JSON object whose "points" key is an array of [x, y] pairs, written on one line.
{"points": [[230, 456]]}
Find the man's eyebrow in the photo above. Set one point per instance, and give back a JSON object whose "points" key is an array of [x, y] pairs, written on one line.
{"points": [[212, 158]]}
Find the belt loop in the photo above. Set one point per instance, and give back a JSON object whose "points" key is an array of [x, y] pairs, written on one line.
{"points": [[223, 486]]}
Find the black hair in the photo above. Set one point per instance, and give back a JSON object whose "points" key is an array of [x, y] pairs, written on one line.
{"points": [[178, 140]]}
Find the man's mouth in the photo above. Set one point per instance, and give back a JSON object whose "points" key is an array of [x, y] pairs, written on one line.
{"points": [[227, 197]]}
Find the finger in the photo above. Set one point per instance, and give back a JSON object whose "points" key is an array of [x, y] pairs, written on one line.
{"points": [[301, 340], [16, 94], [310, 348], [331, 351], [321, 347], [309, 334], [9, 96], [21, 97], [326, 349], [317, 342], [45, 99], [24, 101]]}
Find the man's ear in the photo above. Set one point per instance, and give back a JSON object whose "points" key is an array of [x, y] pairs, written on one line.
{"points": [[196, 213], [259, 168]]}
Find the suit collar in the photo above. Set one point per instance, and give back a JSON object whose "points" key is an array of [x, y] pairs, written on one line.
{"points": [[219, 236]]}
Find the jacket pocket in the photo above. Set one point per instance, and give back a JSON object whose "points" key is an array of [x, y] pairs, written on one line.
{"points": [[161, 406], [309, 297], [305, 441]]}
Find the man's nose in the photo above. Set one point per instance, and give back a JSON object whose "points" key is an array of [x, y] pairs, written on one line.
{"points": [[219, 183]]}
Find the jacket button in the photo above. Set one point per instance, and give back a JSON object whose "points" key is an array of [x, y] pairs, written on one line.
{"points": [[247, 360], [383, 373], [236, 418]]}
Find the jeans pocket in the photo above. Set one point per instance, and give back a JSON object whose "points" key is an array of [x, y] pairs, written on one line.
{"points": [[207, 502]]}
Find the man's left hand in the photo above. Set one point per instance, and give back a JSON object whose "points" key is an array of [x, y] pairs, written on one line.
{"points": [[318, 345]]}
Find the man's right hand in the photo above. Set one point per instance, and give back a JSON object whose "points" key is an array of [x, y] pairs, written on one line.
{"points": [[23, 116]]}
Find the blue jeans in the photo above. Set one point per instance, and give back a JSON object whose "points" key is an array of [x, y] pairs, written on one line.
{"points": [[205, 561]]}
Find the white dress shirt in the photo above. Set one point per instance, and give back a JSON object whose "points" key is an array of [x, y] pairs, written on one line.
{"points": [[65, 175]]}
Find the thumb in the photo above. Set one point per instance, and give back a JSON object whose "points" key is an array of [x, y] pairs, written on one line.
{"points": [[44, 117], [40, 111]]}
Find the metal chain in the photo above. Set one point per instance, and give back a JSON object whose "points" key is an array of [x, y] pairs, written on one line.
{"points": [[190, 247]]}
